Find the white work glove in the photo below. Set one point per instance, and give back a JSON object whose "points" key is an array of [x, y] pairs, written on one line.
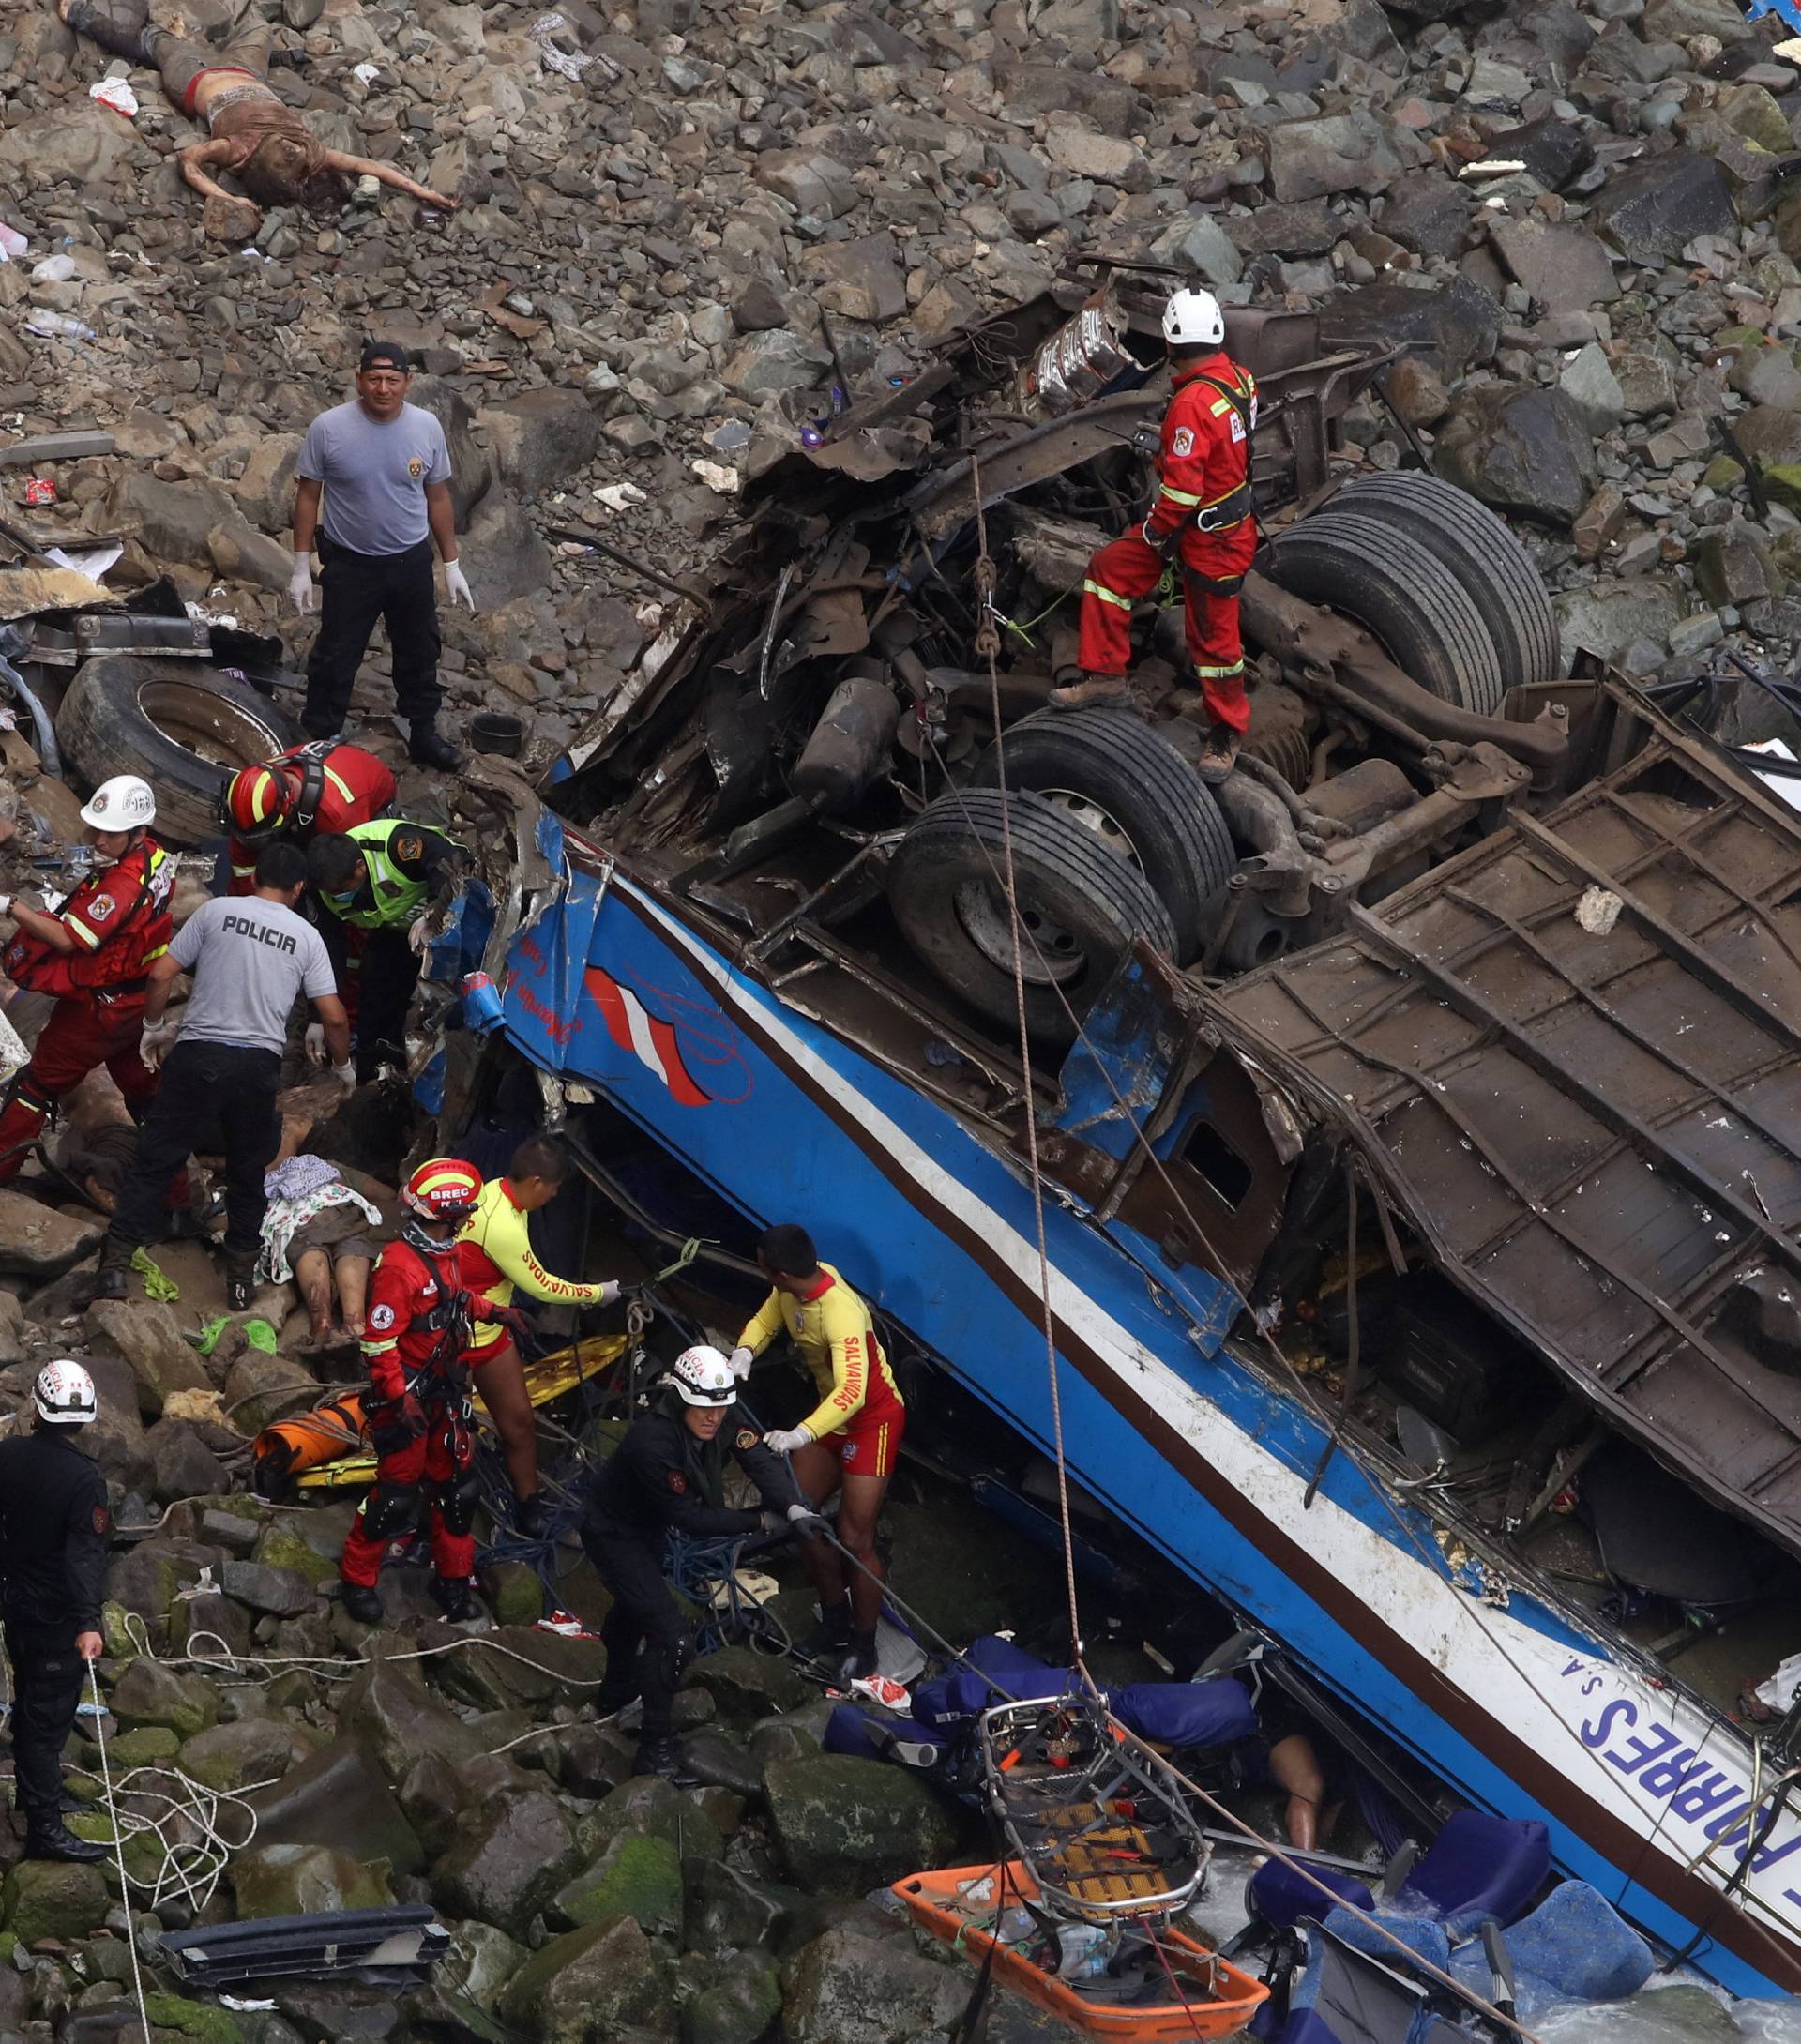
{"points": [[811, 1524], [741, 1361], [785, 1440], [6, 905], [415, 936], [456, 584], [153, 1047], [609, 1292], [345, 1075], [300, 583], [315, 1043]]}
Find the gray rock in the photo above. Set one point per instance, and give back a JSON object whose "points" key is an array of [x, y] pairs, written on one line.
{"points": [[304, 1880], [337, 1797], [1767, 375], [1201, 245], [481, 1961], [241, 553], [507, 558], [148, 1337], [1589, 382], [848, 1988], [1692, 635], [38, 1241], [325, 2012], [1606, 617], [859, 280], [264, 487], [1109, 160], [252, 1749], [757, 306], [1333, 152], [147, 1693], [81, 142], [1647, 384], [812, 183], [116, 1437], [1553, 150], [1674, 20], [172, 519], [591, 1984], [636, 1875], [42, 1898], [471, 473], [745, 1685], [507, 1859], [1458, 322], [540, 438], [1308, 228], [729, 1910], [738, 2008], [181, 1462], [283, 1592], [1417, 391], [1651, 210], [1734, 567], [1524, 452], [775, 359], [386, 1705], [852, 1824], [259, 1388], [1565, 268], [1427, 214]]}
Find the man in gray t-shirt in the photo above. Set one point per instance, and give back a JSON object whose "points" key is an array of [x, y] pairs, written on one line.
{"points": [[382, 471], [251, 957]]}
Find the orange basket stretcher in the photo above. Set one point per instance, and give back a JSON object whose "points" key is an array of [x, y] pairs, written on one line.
{"points": [[1202, 1996]]}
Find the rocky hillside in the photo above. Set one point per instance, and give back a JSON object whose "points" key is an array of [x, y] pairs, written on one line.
{"points": [[1577, 208]]}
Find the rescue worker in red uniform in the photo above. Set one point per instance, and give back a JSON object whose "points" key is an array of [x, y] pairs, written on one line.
{"points": [[418, 1409], [94, 954], [1201, 520], [311, 791]]}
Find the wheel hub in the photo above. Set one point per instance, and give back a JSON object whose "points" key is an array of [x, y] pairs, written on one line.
{"points": [[1052, 954]]}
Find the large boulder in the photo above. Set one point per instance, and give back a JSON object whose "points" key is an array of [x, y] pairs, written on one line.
{"points": [[338, 1798], [745, 1685], [1529, 452], [855, 1824], [147, 1693], [172, 519], [849, 1987], [78, 143], [265, 486], [471, 472], [507, 1856], [1457, 320], [304, 1880], [541, 437], [182, 1463], [858, 280], [592, 1985], [37, 1241], [148, 1337], [231, 1756], [261, 1388], [387, 1706], [1652, 209], [1603, 619], [116, 1437], [1564, 268], [42, 1898], [1335, 152], [637, 1875], [507, 558], [740, 2006]]}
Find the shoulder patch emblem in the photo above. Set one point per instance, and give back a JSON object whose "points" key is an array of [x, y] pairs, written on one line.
{"points": [[677, 1482], [1184, 442], [382, 1319], [101, 907], [416, 467], [102, 1519], [408, 847], [748, 1439]]}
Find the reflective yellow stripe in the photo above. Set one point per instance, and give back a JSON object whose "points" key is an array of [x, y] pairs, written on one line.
{"points": [[337, 781], [1094, 588], [1179, 496], [156, 953], [83, 932], [1220, 406], [1219, 673]]}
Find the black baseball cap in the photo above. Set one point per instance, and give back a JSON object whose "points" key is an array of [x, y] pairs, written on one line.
{"points": [[384, 354]]}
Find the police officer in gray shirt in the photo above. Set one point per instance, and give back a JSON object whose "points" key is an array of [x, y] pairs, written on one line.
{"points": [[383, 469], [251, 956]]}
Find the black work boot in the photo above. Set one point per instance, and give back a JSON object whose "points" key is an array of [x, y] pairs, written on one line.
{"points": [[53, 1839], [239, 1286], [831, 1637], [361, 1602], [429, 746], [862, 1658], [528, 1516], [1218, 755], [663, 1756], [455, 1597], [111, 1278]]}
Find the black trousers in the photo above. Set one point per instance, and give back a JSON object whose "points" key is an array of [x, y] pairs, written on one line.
{"points": [[47, 1678], [646, 1631], [386, 975], [212, 1096], [355, 590]]}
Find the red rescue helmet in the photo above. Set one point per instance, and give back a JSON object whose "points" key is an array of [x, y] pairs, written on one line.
{"points": [[442, 1189], [256, 802]]}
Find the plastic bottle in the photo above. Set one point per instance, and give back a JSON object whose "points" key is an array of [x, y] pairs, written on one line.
{"points": [[1083, 1951], [59, 326], [52, 269], [13, 243]]}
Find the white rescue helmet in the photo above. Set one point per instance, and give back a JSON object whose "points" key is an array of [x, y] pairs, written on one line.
{"points": [[1192, 319], [64, 1395], [122, 803], [704, 1377]]}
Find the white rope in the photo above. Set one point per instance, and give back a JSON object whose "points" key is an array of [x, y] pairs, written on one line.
{"points": [[118, 1846]]}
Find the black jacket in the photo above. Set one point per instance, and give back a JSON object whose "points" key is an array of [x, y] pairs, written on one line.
{"points": [[53, 1528], [662, 1475]]}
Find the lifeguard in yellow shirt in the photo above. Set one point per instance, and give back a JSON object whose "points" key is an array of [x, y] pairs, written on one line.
{"points": [[496, 1246], [851, 1437]]}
